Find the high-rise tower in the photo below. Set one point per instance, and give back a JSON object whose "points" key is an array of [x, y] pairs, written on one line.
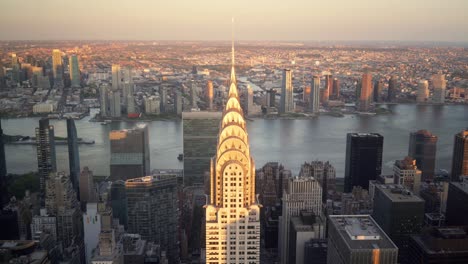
{"points": [[46, 160], [74, 71], [116, 77], [366, 92], [314, 102], [439, 82], [460, 155], [287, 97], [232, 211], [57, 64], [422, 147], [423, 91], [73, 155], [209, 95], [3, 170]]}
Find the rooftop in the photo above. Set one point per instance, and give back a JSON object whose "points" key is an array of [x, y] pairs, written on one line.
{"points": [[361, 232], [398, 193], [201, 115]]}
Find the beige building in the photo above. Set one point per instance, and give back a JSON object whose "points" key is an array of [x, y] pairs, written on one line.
{"points": [[232, 212]]}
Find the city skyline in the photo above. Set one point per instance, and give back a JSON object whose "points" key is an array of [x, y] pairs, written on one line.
{"points": [[360, 20]]}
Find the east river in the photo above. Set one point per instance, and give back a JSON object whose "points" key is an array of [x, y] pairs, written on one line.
{"points": [[290, 142]]}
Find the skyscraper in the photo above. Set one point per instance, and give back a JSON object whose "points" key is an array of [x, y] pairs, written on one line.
{"points": [[378, 87], [209, 95], [306, 94], [193, 95], [301, 194], [363, 159], [460, 155], [73, 155], [406, 173], [399, 213], [325, 174], [87, 189], [366, 92], [3, 171], [287, 97], [163, 95], [248, 103], [46, 160], [74, 72], [177, 102], [439, 83], [422, 147], [336, 89], [57, 65], [457, 212], [327, 88], [232, 211], [200, 138], [104, 100], [114, 100], [130, 156], [392, 89], [423, 91], [116, 77], [358, 239], [314, 102], [153, 211]]}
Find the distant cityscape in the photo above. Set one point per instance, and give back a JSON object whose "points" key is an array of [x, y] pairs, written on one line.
{"points": [[222, 207]]}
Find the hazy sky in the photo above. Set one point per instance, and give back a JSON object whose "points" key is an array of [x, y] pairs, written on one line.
{"points": [[408, 20]]}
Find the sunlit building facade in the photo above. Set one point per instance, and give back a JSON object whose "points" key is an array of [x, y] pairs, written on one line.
{"points": [[287, 96], [232, 212]]}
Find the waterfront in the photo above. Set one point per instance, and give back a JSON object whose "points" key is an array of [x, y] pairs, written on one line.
{"points": [[290, 142]]}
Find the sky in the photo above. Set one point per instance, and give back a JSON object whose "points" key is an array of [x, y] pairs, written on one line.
{"points": [[285, 20]]}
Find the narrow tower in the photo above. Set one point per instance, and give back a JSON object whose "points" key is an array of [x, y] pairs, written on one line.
{"points": [[232, 211]]}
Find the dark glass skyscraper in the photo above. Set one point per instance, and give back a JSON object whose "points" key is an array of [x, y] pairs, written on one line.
{"points": [[378, 86], [46, 160], [73, 155], [3, 170], [457, 212], [460, 156], [363, 159], [392, 89], [422, 148]]}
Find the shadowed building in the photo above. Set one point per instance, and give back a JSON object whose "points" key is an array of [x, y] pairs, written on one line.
{"points": [[358, 239], [73, 155], [74, 72], [457, 211], [130, 156], [422, 148], [314, 102], [336, 89], [200, 137], [363, 159], [423, 91], [378, 87], [439, 83], [392, 89], [460, 155], [46, 159], [406, 173], [3, 171]]}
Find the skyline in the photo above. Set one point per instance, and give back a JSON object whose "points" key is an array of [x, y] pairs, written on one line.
{"points": [[338, 20]]}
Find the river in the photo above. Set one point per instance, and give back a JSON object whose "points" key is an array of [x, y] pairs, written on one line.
{"points": [[290, 142]]}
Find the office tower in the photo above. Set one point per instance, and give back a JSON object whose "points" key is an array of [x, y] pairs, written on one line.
{"points": [[153, 211], [378, 87], [3, 171], [163, 102], [406, 173], [57, 65], [315, 251], [118, 202], [423, 91], [392, 89], [422, 148], [177, 102], [201, 131], [270, 98], [439, 83], [457, 211], [104, 100], [130, 155], [46, 160], [131, 110], [304, 227], [302, 193], [460, 155], [193, 95], [287, 97], [248, 103], [440, 245], [108, 250], [358, 239], [209, 95], [232, 213], [306, 94], [116, 77], [114, 101], [363, 159], [366, 92], [73, 155], [327, 88], [128, 76], [74, 72], [325, 174], [336, 89], [152, 105], [314, 102], [87, 189], [399, 213]]}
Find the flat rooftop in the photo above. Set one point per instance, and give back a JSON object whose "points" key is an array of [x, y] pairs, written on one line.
{"points": [[361, 232], [201, 115], [398, 193]]}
